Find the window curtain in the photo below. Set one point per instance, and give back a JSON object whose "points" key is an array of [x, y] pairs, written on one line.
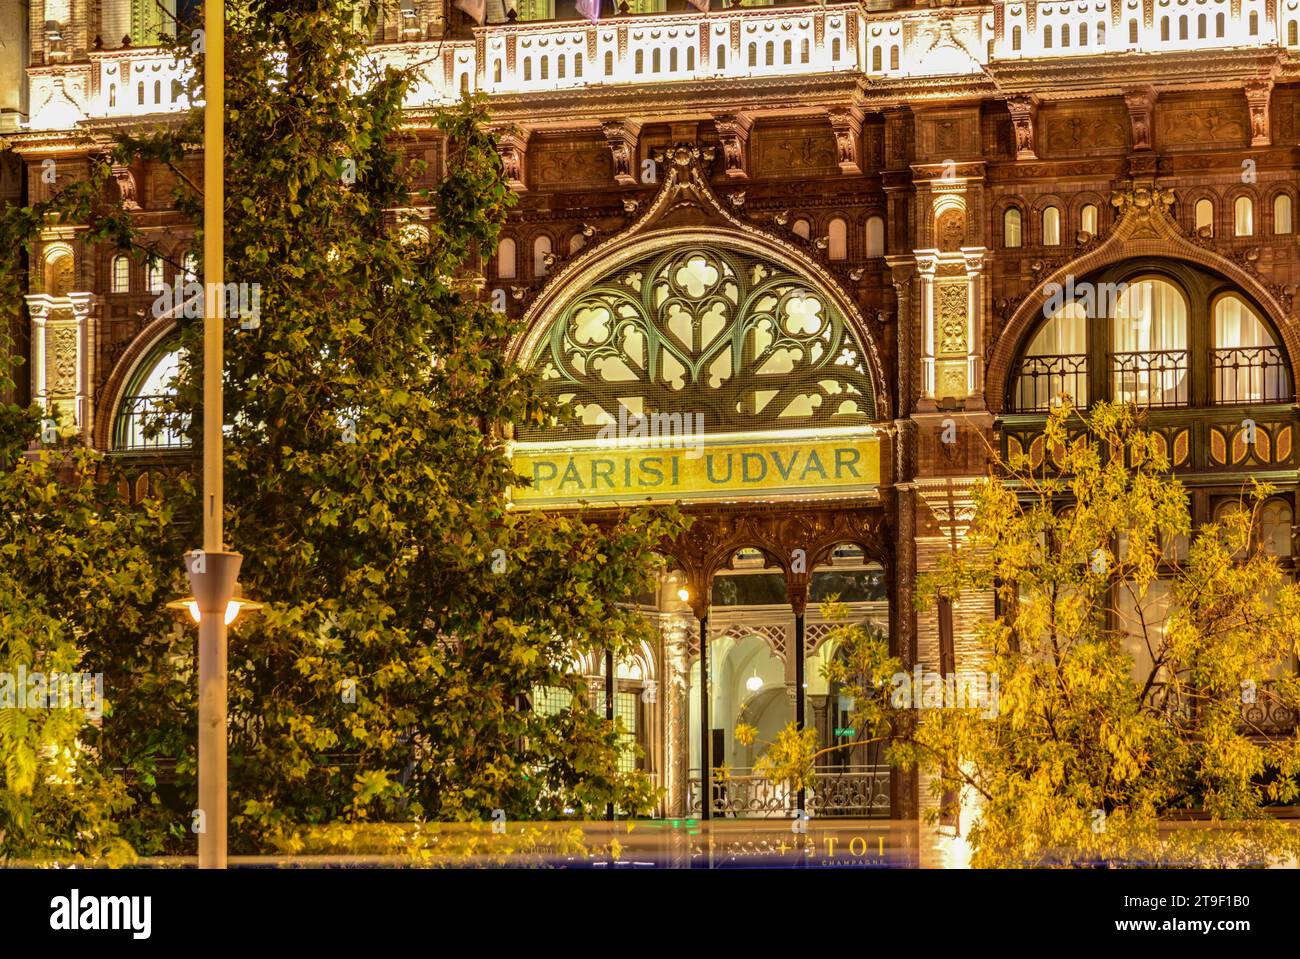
{"points": [[1241, 375], [1056, 361], [1149, 334]]}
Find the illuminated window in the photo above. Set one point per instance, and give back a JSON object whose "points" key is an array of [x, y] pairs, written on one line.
{"points": [[787, 52], [875, 236], [140, 423], [112, 94], [1254, 24], [1275, 522], [541, 248], [1011, 227], [1088, 219], [1243, 216], [1164, 28], [528, 67], [1248, 366], [1282, 213], [1051, 226], [893, 55], [121, 274], [551, 700], [802, 228], [1205, 216], [1291, 33], [154, 276], [1132, 31], [496, 72], [1047, 37], [506, 258], [1015, 38], [1056, 362], [876, 60], [1149, 339], [1083, 34], [769, 54], [839, 239]]}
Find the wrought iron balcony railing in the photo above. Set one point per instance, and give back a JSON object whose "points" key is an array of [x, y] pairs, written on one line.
{"points": [[142, 426], [1041, 380], [860, 791], [1251, 374], [1150, 379]]}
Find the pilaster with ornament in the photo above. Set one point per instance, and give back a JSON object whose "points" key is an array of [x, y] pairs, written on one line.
{"points": [[733, 133], [1024, 117], [1258, 94], [1139, 102], [622, 137], [846, 122], [513, 147]]}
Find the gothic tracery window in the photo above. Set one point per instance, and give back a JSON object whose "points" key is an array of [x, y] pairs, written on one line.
{"points": [[747, 344]]}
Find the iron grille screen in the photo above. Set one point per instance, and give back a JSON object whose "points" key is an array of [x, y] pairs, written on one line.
{"points": [[702, 340]]}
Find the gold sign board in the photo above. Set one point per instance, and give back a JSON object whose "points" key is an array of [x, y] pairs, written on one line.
{"points": [[584, 472]]}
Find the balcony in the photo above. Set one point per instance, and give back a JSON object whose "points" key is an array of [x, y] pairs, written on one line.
{"points": [[860, 791]]}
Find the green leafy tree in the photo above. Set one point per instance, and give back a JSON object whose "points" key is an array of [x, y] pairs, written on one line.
{"points": [[412, 613], [1119, 732], [79, 569]]}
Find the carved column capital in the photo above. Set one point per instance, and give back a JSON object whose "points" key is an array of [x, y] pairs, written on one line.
{"points": [[622, 137], [847, 124], [733, 133], [1024, 118]]}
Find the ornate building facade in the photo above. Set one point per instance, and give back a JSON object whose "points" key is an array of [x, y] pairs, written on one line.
{"points": [[799, 267]]}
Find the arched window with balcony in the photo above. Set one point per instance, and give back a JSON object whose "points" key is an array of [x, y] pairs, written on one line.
{"points": [[1243, 216], [1149, 362], [1055, 363], [142, 423], [1011, 227], [1248, 366]]}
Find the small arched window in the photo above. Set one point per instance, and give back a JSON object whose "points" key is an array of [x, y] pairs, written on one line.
{"points": [[877, 59], [802, 228], [1182, 28], [787, 52], [1254, 24], [545, 67], [838, 231], [875, 236], [1051, 226], [1015, 39], [121, 267], [640, 61], [1101, 33], [1132, 31], [1291, 39], [656, 60], [609, 63], [893, 55], [112, 95], [1205, 216], [1083, 34], [1088, 219], [1056, 362], [559, 67], [1065, 34], [577, 64], [1282, 213], [804, 50], [720, 56], [541, 249], [1218, 25], [1248, 366], [1011, 227], [528, 67], [753, 54], [496, 72], [1201, 26], [1149, 339], [1243, 216], [1164, 28], [154, 275], [506, 258], [1047, 37], [769, 54]]}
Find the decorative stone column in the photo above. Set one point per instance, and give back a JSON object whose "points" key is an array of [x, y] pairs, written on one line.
{"points": [[674, 695], [63, 350]]}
